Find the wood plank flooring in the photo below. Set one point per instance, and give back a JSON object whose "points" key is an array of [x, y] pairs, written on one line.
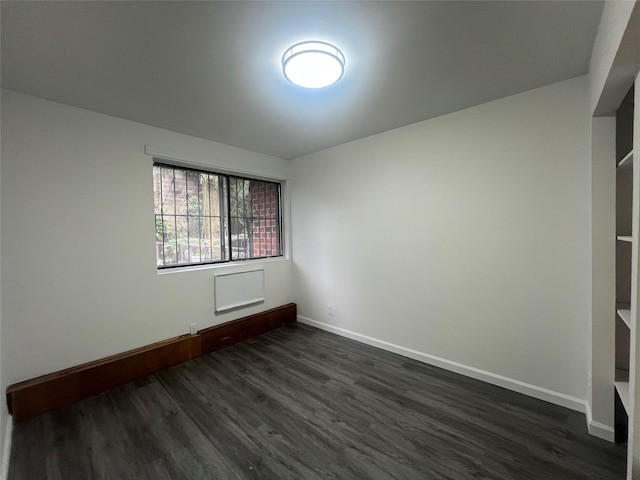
{"points": [[300, 403]]}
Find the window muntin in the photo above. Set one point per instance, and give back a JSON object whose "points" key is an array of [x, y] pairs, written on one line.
{"points": [[205, 217]]}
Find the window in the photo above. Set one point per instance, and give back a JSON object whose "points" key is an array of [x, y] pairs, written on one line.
{"points": [[205, 217]]}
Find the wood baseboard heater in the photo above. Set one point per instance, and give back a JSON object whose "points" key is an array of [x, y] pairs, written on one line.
{"points": [[43, 394]]}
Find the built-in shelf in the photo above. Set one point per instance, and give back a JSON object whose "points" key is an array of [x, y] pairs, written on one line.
{"points": [[622, 387], [625, 351], [625, 315], [626, 162]]}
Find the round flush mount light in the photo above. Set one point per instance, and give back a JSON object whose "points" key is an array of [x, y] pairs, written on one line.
{"points": [[313, 64]]}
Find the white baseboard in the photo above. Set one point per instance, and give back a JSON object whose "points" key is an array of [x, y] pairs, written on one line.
{"points": [[598, 429], [6, 449], [556, 398]]}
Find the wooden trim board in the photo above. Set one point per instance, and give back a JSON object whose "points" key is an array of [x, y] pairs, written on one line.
{"points": [[220, 336], [43, 394]]}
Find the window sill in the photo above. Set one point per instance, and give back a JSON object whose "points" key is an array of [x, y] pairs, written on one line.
{"points": [[237, 265]]}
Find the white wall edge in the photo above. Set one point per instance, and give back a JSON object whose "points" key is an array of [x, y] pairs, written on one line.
{"points": [[598, 429], [6, 451], [228, 267], [198, 160], [540, 393]]}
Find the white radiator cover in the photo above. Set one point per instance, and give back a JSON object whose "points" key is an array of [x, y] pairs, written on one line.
{"points": [[238, 289]]}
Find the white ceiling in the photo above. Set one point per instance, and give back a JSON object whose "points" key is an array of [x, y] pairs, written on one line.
{"points": [[212, 69]]}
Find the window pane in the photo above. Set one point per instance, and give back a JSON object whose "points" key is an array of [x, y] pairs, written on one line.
{"points": [[192, 193], [180, 189], [203, 217], [239, 239], [240, 217], [233, 197], [168, 191], [157, 189], [210, 249], [210, 195], [168, 239], [182, 232], [265, 206], [224, 218], [159, 240]]}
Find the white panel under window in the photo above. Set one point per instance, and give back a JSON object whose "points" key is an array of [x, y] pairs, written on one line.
{"points": [[234, 290]]}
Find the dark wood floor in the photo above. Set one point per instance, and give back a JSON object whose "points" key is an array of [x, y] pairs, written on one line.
{"points": [[300, 403]]}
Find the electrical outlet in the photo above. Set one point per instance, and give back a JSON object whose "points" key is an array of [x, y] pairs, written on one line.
{"points": [[193, 328], [330, 309]]}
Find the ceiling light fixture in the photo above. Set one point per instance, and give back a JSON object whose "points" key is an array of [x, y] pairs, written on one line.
{"points": [[313, 64]]}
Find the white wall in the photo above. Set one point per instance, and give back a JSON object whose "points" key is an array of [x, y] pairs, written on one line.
{"points": [[79, 280], [465, 237]]}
